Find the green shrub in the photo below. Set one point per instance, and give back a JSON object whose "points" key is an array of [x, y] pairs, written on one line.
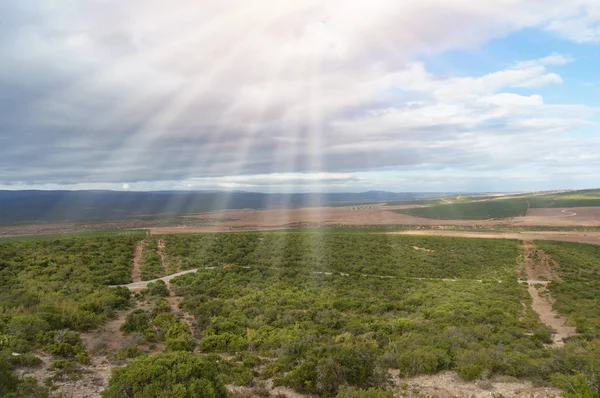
{"points": [[470, 372], [423, 360], [136, 321], [27, 326], [8, 380], [175, 374], [182, 343], [157, 289], [128, 353], [329, 377], [225, 342]]}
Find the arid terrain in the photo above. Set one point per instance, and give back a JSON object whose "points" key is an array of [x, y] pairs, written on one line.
{"points": [[244, 220]]}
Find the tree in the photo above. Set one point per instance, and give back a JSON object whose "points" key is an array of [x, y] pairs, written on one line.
{"points": [[174, 374]]}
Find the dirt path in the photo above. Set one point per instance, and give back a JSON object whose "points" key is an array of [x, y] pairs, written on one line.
{"points": [[136, 272], [160, 250], [143, 284], [94, 376], [175, 302], [540, 267], [449, 384]]}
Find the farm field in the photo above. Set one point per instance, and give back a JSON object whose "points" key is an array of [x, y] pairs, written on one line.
{"points": [[528, 211], [295, 314], [535, 207], [478, 210]]}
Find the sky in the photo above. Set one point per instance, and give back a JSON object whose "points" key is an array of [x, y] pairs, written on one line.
{"points": [[296, 96]]}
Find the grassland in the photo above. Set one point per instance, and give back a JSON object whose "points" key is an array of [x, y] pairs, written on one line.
{"points": [[582, 198], [476, 208], [482, 210]]}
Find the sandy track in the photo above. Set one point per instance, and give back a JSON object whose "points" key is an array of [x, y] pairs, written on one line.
{"points": [[136, 272], [143, 284], [540, 266], [160, 250]]}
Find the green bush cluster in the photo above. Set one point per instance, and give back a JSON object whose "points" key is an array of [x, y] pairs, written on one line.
{"points": [[577, 296], [51, 289], [328, 331], [356, 253], [174, 374]]}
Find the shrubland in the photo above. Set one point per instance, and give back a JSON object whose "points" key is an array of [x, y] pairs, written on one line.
{"points": [[50, 290], [323, 313], [340, 309], [151, 266], [577, 296]]}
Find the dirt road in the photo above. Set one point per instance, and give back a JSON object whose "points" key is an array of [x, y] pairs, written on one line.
{"points": [[136, 272], [143, 284], [539, 266]]}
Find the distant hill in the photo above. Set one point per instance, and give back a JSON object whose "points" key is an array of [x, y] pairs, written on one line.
{"points": [[51, 206]]}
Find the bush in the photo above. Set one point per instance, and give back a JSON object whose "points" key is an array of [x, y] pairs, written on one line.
{"points": [[470, 372], [136, 321], [27, 326], [225, 342], [330, 375], [128, 353], [183, 343], [174, 374], [158, 289], [8, 381], [423, 360]]}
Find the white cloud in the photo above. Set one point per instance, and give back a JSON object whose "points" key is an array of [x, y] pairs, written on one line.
{"points": [[139, 91]]}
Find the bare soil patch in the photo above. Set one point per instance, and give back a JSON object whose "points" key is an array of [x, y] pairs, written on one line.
{"points": [[449, 385], [160, 249], [571, 216], [136, 273], [423, 249], [100, 344], [539, 265]]}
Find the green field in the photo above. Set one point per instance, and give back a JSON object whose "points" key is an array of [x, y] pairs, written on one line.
{"points": [[310, 311], [483, 210], [475, 208], [583, 198]]}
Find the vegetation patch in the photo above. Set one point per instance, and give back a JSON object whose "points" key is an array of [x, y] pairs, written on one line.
{"points": [[52, 289], [175, 374], [288, 298], [480, 210]]}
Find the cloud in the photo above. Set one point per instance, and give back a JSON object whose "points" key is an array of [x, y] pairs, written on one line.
{"points": [[106, 91]]}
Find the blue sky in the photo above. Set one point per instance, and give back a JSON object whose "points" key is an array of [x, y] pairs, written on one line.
{"points": [[431, 95]]}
